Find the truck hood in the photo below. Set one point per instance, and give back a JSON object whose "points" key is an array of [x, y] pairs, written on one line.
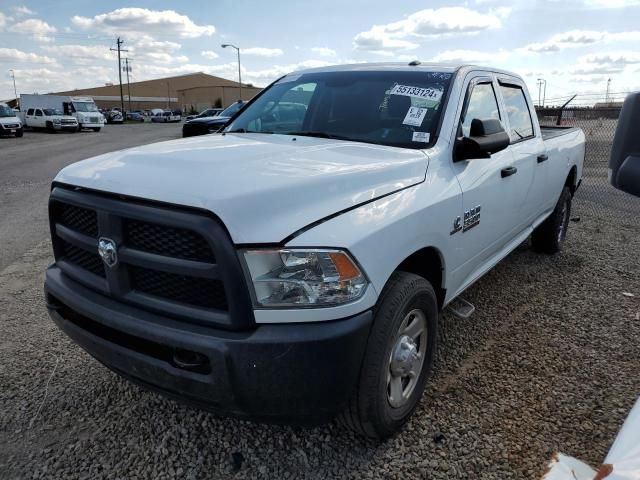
{"points": [[263, 187]]}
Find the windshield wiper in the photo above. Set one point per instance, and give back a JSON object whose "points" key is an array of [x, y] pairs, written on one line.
{"points": [[317, 134]]}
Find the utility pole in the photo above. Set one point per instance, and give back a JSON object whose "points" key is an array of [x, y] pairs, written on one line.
{"points": [[15, 92], [128, 69], [225, 45], [540, 82], [119, 42], [606, 97], [168, 96]]}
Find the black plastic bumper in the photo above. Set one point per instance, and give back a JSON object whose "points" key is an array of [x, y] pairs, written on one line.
{"points": [[290, 373]]}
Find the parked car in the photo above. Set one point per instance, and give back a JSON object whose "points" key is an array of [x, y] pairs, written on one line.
{"points": [[166, 117], [10, 124], [204, 125], [135, 116], [50, 119], [293, 270], [209, 112], [114, 116], [83, 109], [624, 164]]}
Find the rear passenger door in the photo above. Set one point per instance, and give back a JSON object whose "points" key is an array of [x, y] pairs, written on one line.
{"points": [[527, 148]]}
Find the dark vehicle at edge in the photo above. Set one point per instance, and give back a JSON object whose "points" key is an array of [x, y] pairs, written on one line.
{"points": [[205, 125]]}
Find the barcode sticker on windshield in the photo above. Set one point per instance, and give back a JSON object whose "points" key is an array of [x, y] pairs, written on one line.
{"points": [[426, 93], [414, 116], [423, 137]]}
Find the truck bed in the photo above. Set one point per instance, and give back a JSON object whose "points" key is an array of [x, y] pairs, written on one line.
{"points": [[549, 132]]}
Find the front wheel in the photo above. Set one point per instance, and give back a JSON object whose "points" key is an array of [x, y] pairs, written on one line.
{"points": [[96, 129], [19, 133], [550, 235], [398, 358], [79, 127]]}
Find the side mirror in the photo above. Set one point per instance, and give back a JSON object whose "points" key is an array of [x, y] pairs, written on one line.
{"points": [[485, 137], [624, 164]]}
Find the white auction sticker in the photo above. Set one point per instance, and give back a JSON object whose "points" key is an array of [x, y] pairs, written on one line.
{"points": [[407, 91], [421, 137], [415, 116], [288, 78]]}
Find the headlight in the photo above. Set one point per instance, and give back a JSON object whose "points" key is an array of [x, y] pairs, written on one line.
{"points": [[303, 278], [57, 120]]}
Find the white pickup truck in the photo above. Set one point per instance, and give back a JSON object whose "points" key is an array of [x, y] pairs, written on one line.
{"points": [[293, 267], [49, 119]]}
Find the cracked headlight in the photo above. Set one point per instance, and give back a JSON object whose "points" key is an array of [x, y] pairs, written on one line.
{"points": [[303, 278]]}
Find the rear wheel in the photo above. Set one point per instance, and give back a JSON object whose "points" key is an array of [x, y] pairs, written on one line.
{"points": [[398, 358], [550, 235]]}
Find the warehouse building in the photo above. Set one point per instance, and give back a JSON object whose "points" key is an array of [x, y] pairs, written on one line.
{"points": [[194, 91]]}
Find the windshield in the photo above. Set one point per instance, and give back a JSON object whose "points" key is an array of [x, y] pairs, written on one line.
{"points": [[85, 107], [392, 108], [6, 112], [231, 110], [52, 111]]}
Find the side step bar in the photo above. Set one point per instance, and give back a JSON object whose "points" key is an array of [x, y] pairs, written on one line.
{"points": [[461, 308]]}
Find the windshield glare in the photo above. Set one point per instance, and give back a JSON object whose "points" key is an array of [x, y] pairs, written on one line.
{"points": [[231, 110], [392, 108], [6, 112], [85, 107], [52, 111]]}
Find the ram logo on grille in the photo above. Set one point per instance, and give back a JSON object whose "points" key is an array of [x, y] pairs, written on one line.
{"points": [[108, 252]]}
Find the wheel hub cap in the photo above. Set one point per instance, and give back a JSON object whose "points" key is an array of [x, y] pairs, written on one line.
{"points": [[407, 358]]}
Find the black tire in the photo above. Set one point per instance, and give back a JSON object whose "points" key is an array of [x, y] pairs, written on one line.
{"points": [[550, 235], [96, 129], [370, 411], [79, 127], [19, 133], [50, 128]]}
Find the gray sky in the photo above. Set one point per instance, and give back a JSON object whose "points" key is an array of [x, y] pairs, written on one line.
{"points": [[576, 45]]}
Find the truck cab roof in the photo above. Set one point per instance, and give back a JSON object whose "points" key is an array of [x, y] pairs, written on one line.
{"points": [[405, 67]]}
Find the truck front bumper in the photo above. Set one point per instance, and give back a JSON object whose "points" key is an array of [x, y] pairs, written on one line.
{"points": [[286, 373]]}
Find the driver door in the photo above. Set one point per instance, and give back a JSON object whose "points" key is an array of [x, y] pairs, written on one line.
{"points": [[489, 196]]}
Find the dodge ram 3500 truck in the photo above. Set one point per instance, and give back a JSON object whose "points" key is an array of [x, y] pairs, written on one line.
{"points": [[292, 268]]}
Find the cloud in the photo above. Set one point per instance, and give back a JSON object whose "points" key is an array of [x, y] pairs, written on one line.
{"points": [[580, 38], [15, 55], [262, 52], [210, 54], [470, 56], [137, 21], [3, 20], [81, 52], [611, 3], [606, 63], [426, 23], [38, 29], [324, 51], [22, 11]]}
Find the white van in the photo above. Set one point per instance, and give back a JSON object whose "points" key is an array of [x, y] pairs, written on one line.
{"points": [[10, 124]]}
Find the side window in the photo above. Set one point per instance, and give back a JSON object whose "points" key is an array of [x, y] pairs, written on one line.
{"points": [[30, 111], [38, 113], [518, 112], [482, 105]]}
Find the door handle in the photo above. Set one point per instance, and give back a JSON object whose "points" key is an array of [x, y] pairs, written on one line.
{"points": [[507, 172], [543, 158]]}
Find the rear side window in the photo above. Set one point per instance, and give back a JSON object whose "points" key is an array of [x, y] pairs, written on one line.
{"points": [[30, 111], [518, 112], [482, 105]]}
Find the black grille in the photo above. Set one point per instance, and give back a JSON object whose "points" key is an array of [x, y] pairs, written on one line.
{"points": [[168, 241], [79, 219], [200, 292], [85, 260]]}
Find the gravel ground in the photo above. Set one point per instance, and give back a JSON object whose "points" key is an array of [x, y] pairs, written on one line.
{"points": [[549, 361]]}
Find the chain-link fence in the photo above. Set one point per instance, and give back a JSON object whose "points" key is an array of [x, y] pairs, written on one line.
{"points": [[599, 126]]}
